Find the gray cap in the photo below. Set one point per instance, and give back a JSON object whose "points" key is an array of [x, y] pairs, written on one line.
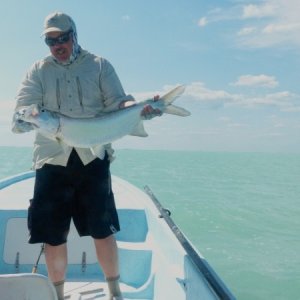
{"points": [[58, 21]]}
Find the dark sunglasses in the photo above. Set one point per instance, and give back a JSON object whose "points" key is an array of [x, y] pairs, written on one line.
{"points": [[64, 38]]}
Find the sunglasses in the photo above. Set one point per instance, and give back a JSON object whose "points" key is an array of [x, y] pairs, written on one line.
{"points": [[63, 38]]}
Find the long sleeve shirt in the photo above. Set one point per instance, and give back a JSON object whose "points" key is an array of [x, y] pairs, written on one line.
{"points": [[86, 88]]}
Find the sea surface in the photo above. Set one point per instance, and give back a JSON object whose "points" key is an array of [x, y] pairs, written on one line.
{"points": [[240, 210]]}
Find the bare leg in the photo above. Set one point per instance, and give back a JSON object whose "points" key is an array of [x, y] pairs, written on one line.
{"points": [[107, 253], [56, 260]]}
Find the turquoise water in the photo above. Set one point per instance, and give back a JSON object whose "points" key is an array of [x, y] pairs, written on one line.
{"points": [[241, 210]]}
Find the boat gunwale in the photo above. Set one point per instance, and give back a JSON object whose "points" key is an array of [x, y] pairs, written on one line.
{"points": [[5, 182], [201, 264]]}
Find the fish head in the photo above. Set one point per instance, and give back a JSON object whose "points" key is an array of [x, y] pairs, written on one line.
{"points": [[29, 114], [42, 119]]}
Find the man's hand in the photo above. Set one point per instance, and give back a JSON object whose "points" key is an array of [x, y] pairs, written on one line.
{"points": [[149, 112]]}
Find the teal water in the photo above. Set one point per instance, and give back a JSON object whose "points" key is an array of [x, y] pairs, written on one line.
{"points": [[241, 210]]}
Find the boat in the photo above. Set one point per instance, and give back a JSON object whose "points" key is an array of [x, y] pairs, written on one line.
{"points": [[157, 261]]}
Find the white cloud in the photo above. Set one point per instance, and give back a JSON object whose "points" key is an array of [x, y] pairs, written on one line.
{"points": [[199, 91], [271, 23], [247, 31], [280, 99], [202, 22], [284, 101], [278, 24], [257, 80], [281, 28], [259, 11]]}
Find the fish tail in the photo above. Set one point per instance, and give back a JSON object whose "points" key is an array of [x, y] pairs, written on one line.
{"points": [[176, 110], [169, 98]]}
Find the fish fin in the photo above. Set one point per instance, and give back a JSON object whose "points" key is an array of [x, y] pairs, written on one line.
{"points": [[98, 151], [139, 130], [173, 94], [176, 110], [169, 98]]}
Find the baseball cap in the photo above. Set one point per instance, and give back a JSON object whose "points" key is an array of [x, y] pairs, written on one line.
{"points": [[58, 21]]}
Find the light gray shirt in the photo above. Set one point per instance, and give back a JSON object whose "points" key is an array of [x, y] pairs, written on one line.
{"points": [[86, 88]]}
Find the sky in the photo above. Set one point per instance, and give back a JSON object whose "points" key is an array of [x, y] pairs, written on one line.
{"points": [[239, 61]]}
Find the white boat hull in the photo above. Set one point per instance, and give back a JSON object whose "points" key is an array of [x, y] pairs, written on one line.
{"points": [[154, 260]]}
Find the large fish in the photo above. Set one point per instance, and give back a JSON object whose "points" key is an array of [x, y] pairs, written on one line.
{"points": [[95, 132]]}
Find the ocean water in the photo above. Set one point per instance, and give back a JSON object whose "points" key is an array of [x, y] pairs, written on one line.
{"points": [[241, 210]]}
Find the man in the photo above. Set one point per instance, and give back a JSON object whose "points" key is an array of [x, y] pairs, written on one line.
{"points": [[72, 183]]}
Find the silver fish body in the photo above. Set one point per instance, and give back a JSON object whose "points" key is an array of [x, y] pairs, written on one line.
{"points": [[90, 132], [95, 132]]}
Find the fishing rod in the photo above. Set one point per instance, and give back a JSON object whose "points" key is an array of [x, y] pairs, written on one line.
{"points": [[200, 263], [35, 267]]}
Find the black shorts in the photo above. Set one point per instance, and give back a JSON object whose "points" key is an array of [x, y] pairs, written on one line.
{"points": [[78, 192]]}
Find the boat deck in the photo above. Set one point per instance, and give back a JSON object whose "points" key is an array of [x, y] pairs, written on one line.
{"points": [[153, 265]]}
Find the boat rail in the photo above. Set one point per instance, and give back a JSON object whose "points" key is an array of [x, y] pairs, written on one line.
{"points": [[201, 264], [16, 178]]}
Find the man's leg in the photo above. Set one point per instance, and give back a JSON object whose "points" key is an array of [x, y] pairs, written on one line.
{"points": [[107, 254], [56, 260]]}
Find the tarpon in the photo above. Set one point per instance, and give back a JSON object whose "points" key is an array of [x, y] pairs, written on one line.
{"points": [[95, 132]]}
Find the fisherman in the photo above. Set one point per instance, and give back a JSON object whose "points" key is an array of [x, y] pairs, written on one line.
{"points": [[72, 183]]}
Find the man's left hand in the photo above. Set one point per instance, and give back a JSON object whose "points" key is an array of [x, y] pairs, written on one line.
{"points": [[149, 112]]}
